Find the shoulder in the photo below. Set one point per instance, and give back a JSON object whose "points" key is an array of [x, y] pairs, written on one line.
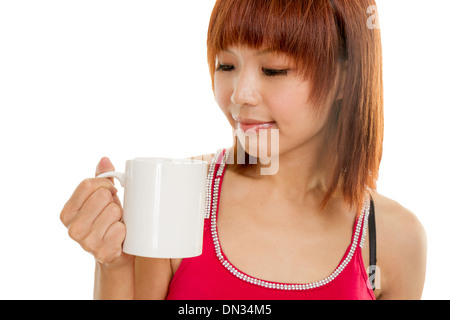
{"points": [[398, 222], [401, 249], [208, 157], [204, 157]]}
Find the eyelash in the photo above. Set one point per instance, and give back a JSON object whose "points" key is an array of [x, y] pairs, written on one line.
{"points": [[268, 72]]}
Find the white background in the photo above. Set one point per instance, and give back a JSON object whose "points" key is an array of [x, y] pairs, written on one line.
{"points": [[84, 79]]}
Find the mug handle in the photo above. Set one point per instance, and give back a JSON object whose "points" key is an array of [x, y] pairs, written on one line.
{"points": [[113, 174]]}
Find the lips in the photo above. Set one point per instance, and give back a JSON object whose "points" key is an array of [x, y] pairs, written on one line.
{"points": [[251, 121], [256, 125]]}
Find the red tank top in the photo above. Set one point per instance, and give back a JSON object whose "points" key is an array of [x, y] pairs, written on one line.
{"points": [[211, 276]]}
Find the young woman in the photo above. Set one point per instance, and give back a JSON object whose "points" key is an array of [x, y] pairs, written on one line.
{"points": [[311, 73]]}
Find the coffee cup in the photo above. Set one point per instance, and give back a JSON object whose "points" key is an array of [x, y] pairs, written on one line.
{"points": [[163, 206]]}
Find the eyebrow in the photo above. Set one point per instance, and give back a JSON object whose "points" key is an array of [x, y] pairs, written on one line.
{"points": [[259, 53]]}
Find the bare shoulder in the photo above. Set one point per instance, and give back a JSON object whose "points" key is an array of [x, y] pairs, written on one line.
{"points": [[397, 223], [204, 157], [401, 249]]}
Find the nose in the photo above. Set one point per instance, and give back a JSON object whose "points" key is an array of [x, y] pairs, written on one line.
{"points": [[246, 89]]}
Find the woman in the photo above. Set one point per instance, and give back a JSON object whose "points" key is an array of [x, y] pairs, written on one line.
{"points": [[310, 72]]}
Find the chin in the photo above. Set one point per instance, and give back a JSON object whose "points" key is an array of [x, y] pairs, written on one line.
{"points": [[262, 145]]}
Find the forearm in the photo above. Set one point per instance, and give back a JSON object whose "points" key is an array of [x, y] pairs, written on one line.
{"points": [[114, 282]]}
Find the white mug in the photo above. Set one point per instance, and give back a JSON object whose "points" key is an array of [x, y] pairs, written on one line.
{"points": [[163, 206]]}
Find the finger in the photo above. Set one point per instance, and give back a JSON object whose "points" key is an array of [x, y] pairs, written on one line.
{"points": [[94, 205], [93, 241], [115, 234], [112, 243], [84, 190], [103, 166], [111, 214], [117, 200]]}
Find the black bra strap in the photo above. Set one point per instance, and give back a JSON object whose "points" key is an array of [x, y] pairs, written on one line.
{"points": [[372, 244]]}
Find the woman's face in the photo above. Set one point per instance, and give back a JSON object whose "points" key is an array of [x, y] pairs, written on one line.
{"points": [[263, 86]]}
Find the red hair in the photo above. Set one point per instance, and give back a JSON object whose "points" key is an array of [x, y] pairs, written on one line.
{"points": [[318, 35]]}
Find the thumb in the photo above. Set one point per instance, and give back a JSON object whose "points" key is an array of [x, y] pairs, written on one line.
{"points": [[103, 166]]}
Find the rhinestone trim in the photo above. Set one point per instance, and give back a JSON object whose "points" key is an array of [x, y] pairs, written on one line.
{"points": [[366, 210], [209, 178], [362, 220]]}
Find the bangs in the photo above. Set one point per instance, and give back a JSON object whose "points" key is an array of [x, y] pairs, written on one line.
{"points": [[317, 35], [306, 31]]}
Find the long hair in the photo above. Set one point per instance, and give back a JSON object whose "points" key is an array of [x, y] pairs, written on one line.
{"points": [[318, 35]]}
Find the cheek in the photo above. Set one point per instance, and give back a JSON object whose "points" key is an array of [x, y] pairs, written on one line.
{"points": [[222, 92], [292, 107], [295, 116]]}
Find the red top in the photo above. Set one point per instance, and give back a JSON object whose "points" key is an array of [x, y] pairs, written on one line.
{"points": [[211, 276]]}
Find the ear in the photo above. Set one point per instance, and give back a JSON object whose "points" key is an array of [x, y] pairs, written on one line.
{"points": [[342, 76]]}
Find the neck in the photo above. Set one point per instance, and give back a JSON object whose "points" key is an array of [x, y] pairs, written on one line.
{"points": [[301, 174]]}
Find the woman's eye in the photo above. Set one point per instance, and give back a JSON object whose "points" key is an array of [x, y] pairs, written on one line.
{"points": [[267, 72], [274, 73], [224, 67]]}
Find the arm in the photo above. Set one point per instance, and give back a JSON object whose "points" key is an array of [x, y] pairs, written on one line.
{"points": [[403, 250], [152, 278], [93, 217], [114, 282]]}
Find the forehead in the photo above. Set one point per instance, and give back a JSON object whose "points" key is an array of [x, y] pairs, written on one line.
{"points": [[244, 50]]}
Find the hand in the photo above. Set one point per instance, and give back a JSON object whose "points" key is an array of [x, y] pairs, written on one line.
{"points": [[93, 217]]}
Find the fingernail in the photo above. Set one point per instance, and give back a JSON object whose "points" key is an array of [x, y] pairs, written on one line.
{"points": [[97, 169]]}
